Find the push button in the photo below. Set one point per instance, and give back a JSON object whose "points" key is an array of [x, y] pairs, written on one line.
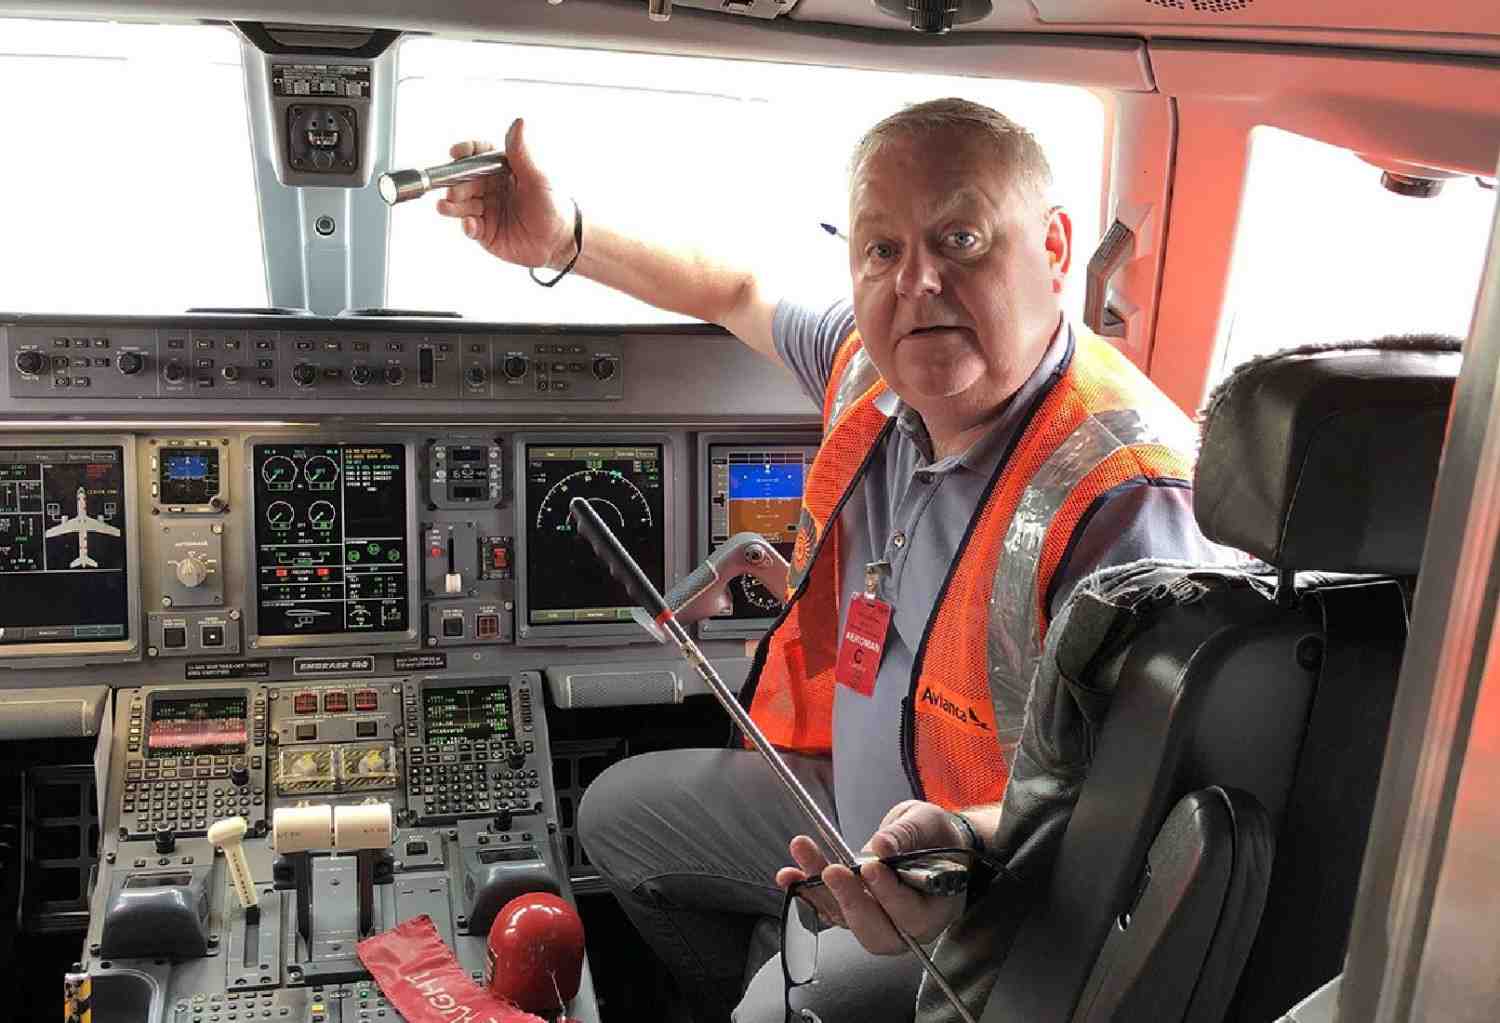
{"points": [[365, 729], [308, 731], [453, 626], [213, 635], [174, 638]]}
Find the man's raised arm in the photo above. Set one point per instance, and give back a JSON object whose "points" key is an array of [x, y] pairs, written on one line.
{"points": [[519, 217]]}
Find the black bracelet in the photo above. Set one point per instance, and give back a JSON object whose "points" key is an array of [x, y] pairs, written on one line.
{"points": [[975, 842], [577, 250]]}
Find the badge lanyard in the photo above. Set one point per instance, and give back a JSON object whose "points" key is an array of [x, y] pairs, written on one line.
{"points": [[863, 642]]}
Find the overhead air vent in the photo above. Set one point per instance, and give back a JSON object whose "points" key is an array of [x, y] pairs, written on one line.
{"points": [[1204, 6]]}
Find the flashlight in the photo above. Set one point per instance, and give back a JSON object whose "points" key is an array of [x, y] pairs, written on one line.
{"points": [[401, 185]]}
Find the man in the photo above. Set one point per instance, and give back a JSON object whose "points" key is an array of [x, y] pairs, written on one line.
{"points": [[980, 457]]}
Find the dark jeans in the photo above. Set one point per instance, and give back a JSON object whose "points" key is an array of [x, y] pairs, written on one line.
{"points": [[690, 841]]}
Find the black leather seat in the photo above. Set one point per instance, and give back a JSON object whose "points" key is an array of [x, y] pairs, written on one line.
{"points": [[1190, 800]]}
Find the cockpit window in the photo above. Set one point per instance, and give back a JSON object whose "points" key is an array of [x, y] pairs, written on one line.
{"points": [[126, 184], [745, 159], [1325, 253]]}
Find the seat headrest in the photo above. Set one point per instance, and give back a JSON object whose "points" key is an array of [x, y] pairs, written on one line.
{"points": [[1325, 456]]}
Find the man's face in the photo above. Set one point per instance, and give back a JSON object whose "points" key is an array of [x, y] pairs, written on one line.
{"points": [[956, 273]]}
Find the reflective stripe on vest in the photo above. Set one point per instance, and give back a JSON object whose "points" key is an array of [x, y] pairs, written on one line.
{"points": [[1100, 425]]}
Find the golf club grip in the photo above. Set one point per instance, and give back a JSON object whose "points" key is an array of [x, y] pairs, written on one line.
{"points": [[615, 557]]}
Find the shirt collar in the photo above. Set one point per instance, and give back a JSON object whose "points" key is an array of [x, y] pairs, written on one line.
{"points": [[983, 452]]}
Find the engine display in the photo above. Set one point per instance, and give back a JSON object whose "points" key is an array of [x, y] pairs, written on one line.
{"points": [[63, 558], [757, 490], [466, 713], [200, 725], [330, 538], [565, 582]]}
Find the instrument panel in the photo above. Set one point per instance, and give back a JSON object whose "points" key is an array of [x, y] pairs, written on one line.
{"points": [[307, 596], [363, 540]]}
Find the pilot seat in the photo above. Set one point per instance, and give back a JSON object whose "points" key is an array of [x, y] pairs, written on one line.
{"points": [[1190, 800]]}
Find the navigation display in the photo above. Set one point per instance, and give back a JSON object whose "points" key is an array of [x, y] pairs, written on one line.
{"points": [[466, 713], [330, 538], [202, 725], [62, 545], [756, 489], [565, 582]]}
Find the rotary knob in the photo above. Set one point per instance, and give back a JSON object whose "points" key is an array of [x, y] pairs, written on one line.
{"points": [[230, 373], [239, 774], [604, 368], [191, 572], [304, 374], [31, 363], [130, 363], [475, 376], [174, 372], [359, 375], [394, 374], [515, 366]]}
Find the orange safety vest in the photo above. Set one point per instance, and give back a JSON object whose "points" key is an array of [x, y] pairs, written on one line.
{"points": [[1101, 424]]}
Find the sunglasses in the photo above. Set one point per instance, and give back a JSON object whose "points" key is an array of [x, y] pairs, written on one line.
{"points": [[944, 871]]}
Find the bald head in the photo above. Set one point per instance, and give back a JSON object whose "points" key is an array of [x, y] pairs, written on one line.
{"points": [[943, 122]]}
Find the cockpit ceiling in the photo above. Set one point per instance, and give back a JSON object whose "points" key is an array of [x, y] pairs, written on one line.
{"points": [[1453, 26]]}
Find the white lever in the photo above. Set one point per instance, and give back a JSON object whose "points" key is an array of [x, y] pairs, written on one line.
{"points": [[364, 826], [228, 835]]}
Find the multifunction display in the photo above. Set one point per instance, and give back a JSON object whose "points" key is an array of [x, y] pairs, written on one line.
{"points": [[466, 713], [330, 538], [200, 725], [62, 545], [189, 476], [565, 582], [757, 490]]}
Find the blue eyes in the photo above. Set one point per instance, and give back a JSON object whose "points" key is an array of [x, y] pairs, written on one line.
{"points": [[962, 241]]}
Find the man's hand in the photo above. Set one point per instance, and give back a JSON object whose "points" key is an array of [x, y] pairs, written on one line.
{"points": [[515, 214], [847, 902]]}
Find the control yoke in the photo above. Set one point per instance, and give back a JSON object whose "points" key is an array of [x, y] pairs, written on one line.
{"points": [[659, 612], [705, 592]]}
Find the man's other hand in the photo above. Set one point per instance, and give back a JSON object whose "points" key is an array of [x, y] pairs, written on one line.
{"points": [[850, 902], [515, 214]]}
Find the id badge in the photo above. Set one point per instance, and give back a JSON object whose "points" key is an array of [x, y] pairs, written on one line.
{"points": [[863, 643]]}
